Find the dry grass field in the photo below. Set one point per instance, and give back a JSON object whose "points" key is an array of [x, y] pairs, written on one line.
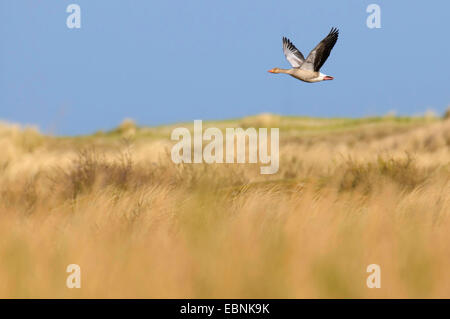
{"points": [[349, 193]]}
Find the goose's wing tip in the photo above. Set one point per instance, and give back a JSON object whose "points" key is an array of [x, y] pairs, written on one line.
{"points": [[334, 30]]}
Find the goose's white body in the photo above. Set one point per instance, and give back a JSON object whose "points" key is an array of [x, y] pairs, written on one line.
{"points": [[305, 75]]}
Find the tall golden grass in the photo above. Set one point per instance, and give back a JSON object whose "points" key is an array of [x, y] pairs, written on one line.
{"points": [[349, 193]]}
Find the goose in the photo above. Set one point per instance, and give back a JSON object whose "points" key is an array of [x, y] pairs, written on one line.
{"points": [[308, 70]]}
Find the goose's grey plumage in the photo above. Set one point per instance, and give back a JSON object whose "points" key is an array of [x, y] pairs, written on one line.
{"points": [[308, 70], [293, 55], [321, 52]]}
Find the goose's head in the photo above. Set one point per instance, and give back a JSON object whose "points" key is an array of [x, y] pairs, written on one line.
{"points": [[274, 70]]}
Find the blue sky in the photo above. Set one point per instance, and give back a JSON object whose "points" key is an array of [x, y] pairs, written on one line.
{"points": [[169, 61]]}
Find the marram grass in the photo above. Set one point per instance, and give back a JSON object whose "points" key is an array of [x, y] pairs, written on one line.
{"points": [[349, 193]]}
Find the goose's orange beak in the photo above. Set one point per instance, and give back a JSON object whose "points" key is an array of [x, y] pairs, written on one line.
{"points": [[271, 71], [328, 78]]}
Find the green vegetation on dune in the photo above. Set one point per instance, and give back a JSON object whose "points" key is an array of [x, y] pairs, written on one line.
{"points": [[286, 124]]}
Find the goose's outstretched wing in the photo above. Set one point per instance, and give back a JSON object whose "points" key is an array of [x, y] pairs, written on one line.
{"points": [[321, 52], [293, 55]]}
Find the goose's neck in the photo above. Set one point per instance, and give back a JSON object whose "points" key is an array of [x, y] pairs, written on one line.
{"points": [[287, 71]]}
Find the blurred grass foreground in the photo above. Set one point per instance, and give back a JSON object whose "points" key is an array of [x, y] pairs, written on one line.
{"points": [[349, 193]]}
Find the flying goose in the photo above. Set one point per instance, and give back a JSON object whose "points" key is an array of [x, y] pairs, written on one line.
{"points": [[308, 70]]}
